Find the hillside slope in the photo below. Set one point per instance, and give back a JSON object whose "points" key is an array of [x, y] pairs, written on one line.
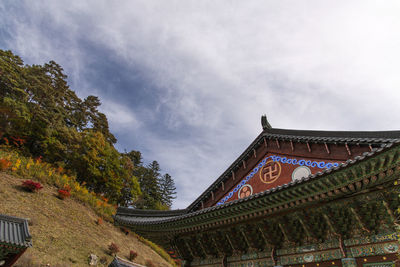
{"points": [[65, 232]]}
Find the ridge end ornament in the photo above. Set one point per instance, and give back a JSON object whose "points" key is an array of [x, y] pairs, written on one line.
{"points": [[264, 122]]}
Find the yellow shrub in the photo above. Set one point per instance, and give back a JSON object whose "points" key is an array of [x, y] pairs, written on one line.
{"points": [[44, 172]]}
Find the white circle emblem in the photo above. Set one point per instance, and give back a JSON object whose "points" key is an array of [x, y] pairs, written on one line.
{"points": [[300, 172]]}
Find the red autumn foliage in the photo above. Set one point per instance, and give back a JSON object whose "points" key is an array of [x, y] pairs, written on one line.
{"points": [[63, 194], [113, 248], [31, 186], [4, 164], [17, 141], [132, 255]]}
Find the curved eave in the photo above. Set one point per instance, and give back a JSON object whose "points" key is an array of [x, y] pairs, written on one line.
{"points": [[356, 137], [387, 157]]}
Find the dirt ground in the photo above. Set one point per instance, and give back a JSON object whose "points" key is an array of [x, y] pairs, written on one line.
{"points": [[65, 232]]}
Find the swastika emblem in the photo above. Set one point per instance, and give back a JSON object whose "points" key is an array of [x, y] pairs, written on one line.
{"points": [[270, 172]]}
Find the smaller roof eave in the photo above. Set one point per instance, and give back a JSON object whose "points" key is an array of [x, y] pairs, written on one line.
{"points": [[150, 213], [119, 262], [15, 231]]}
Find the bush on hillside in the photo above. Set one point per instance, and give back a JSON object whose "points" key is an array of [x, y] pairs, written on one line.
{"points": [[65, 192], [132, 255], [4, 164], [31, 186], [99, 221], [113, 248]]}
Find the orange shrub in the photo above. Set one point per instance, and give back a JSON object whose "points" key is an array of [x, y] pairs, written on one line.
{"points": [[99, 221], [4, 164]]}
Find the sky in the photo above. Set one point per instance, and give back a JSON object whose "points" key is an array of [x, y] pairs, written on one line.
{"points": [[186, 82]]}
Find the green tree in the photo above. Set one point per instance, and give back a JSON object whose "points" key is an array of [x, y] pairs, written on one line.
{"points": [[14, 113], [168, 190], [37, 104], [95, 119], [102, 168]]}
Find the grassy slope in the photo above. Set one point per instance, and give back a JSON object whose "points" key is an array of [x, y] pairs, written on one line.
{"points": [[65, 231]]}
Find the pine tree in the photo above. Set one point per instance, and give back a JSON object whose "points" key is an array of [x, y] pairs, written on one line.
{"points": [[167, 187]]}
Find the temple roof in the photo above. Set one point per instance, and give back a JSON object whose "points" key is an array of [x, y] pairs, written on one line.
{"points": [[14, 231], [384, 150], [376, 138], [119, 262], [131, 216]]}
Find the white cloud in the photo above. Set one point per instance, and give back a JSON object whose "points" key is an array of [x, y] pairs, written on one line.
{"points": [[220, 65], [119, 116]]}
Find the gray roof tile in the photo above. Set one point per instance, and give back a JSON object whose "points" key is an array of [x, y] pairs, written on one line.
{"points": [[118, 262], [14, 231]]}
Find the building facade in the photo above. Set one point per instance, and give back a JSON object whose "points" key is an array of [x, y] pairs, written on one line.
{"points": [[293, 198]]}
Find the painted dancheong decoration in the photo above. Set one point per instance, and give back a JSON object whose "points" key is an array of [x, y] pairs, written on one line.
{"points": [[274, 171], [295, 198]]}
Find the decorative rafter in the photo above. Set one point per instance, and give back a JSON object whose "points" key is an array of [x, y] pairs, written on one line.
{"points": [[348, 149], [308, 147]]}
